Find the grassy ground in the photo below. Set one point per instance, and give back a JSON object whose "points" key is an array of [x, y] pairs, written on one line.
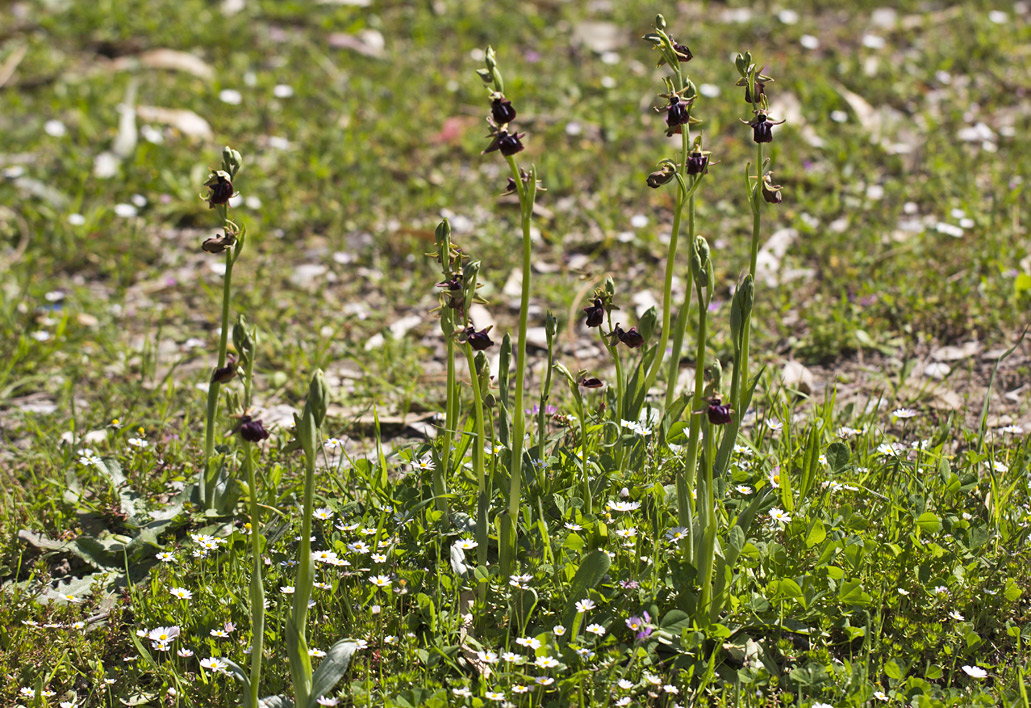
{"points": [[906, 276]]}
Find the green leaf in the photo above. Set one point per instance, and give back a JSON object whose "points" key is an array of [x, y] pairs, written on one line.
{"points": [[851, 592], [816, 534], [275, 702], [128, 500], [893, 670], [458, 561], [674, 621], [333, 667], [786, 589], [1012, 591], [928, 522], [592, 569], [245, 682], [838, 455], [677, 436]]}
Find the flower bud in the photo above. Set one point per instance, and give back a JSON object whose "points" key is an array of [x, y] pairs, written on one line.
{"points": [[220, 188], [595, 313], [231, 161], [660, 177], [501, 110], [252, 430]]}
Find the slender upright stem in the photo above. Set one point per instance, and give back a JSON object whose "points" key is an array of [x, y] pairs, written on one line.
{"points": [[301, 664], [681, 328], [206, 482], [257, 590], [439, 487], [588, 501], [756, 226], [671, 257], [518, 422], [686, 481], [478, 468]]}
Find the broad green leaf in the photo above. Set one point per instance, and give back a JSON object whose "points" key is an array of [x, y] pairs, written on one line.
{"points": [[893, 670], [838, 456], [786, 589], [851, 592], [331, 669], [928, 522], [816, 534]]}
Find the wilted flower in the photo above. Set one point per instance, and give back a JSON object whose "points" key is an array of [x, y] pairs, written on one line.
{"points": [[220, 188], [501, 109], [770, 191], [762, 127], [225, 373], [662, 176], [505, 142], [453, 292], [595, 313], [219, 244]]}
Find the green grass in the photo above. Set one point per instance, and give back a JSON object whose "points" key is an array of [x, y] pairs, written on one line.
{"points": [[116, 318]]}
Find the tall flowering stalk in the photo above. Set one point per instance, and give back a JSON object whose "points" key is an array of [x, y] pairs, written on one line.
{"points": [[701, 268], [687, 170], [230, 242], [252, 431], [307, 429], [452, 308], [476, 342], [760, 188], [508, 142]]}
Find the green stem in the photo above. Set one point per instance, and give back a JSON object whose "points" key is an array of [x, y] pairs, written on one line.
{"points": [[756, 226], [257, 591], [689, 481], [303, 584], [478, 469], [526, 192], [681, 328], [588, 501], [439, 475], [206, 483], [671, 256]]}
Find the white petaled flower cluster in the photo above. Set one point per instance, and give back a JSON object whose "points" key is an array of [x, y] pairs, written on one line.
{"points": [[636, 428], [215, 664], [520, 581], [88, 458], [162, 637], [622, 505]]}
